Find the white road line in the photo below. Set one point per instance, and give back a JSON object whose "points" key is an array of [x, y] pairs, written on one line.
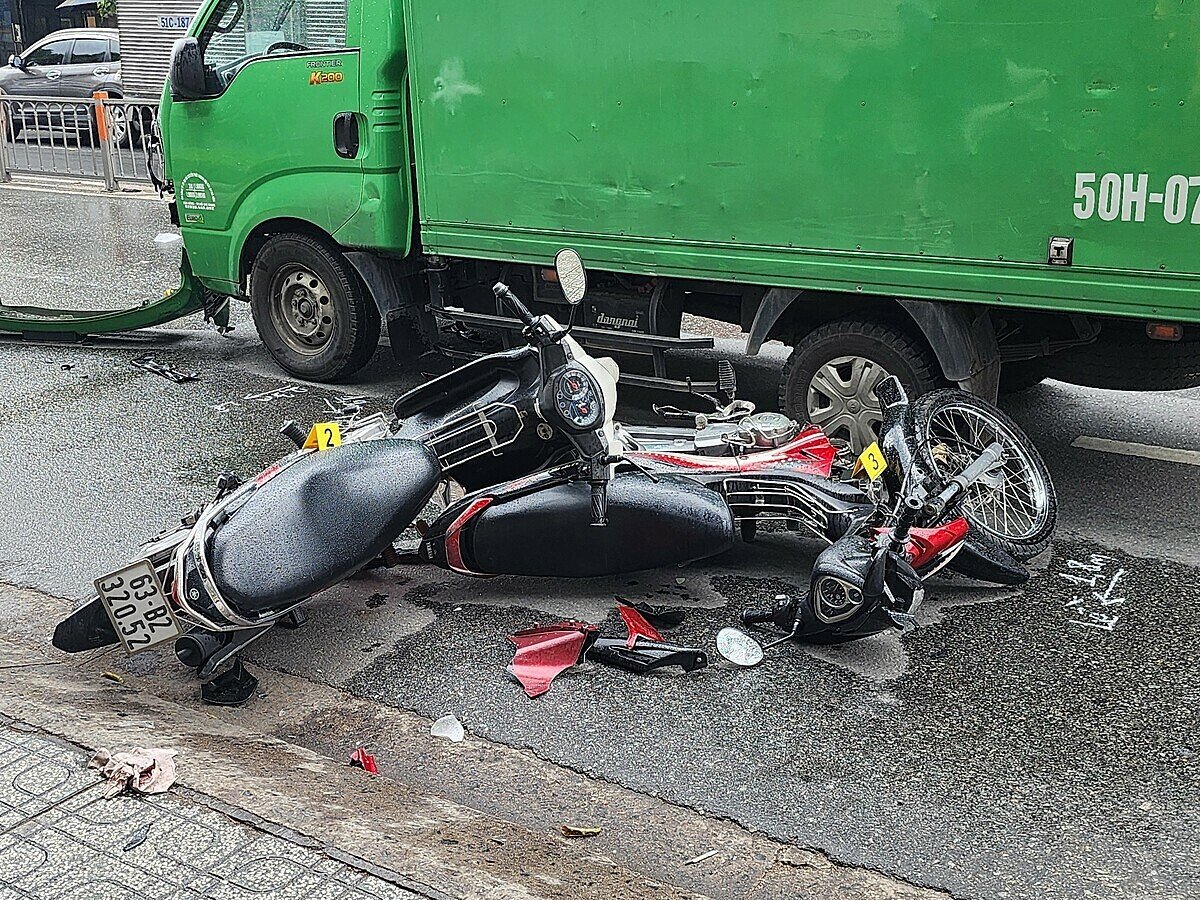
{"points": [[1129, 448]]}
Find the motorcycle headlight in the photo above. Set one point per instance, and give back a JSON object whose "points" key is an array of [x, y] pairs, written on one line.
{"points": [[836, 600]]}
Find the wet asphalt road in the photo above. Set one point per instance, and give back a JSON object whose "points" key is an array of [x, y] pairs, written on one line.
{"points": [[1001, 750]]}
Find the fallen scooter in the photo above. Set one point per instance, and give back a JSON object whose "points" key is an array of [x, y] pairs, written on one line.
{"points": [[259, 549]]}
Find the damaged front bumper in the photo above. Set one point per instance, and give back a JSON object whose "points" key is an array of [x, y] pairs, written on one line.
{"points": [[40, 323]]}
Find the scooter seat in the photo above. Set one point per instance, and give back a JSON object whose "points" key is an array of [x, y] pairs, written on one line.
{"points": [[319, 521]]}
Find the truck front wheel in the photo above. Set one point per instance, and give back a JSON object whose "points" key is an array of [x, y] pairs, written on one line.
{"points": [[830, 377], [311, 310]]}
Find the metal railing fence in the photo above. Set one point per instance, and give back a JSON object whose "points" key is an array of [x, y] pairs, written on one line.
{"points": [[99, 137]]}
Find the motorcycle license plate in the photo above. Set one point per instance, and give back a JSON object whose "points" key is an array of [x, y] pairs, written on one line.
{"points": [[138, 607]]}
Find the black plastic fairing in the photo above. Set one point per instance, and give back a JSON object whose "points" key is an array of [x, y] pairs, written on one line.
{"points": [[982, 559], [87, 628]]}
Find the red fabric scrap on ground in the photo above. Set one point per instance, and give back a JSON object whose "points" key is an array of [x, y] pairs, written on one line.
{"points": [[364, 761], [545, 651]]}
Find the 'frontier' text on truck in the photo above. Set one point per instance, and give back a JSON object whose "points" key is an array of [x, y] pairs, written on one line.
{"points": [[949, 191]]}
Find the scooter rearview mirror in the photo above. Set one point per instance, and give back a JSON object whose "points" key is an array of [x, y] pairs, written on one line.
{"points": [[739, 648], [572, 276]]}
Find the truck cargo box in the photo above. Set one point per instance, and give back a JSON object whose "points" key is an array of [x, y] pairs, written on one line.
{"points": [[1008, 153]]}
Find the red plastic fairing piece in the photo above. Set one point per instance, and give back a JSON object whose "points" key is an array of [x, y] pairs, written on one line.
{"points": [[637, 625], [544, 651], [364, 761]]}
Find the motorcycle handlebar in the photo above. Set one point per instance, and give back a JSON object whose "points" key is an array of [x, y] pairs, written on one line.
{"points": [[503, 292], [598, 475], [599, 503], [759, 616]]}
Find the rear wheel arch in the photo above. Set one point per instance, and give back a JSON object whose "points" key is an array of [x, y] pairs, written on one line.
{"points": [[961, 336]]}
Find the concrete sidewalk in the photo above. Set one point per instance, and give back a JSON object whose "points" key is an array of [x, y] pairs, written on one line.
{"points": [[60, 838]]}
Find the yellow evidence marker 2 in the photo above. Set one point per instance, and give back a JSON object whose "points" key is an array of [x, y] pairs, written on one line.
{"points": [[324, 435]]}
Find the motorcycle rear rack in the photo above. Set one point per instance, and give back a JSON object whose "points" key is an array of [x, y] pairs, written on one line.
{"points": [[491, 441]]}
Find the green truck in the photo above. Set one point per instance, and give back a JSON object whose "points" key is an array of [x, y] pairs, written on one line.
{"points": [[947, 190]]}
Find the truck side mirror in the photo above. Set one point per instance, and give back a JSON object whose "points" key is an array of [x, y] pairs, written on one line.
{"points": [[187, 71], [16, 62]]}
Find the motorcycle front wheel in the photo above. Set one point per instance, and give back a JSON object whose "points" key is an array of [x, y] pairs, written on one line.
{"points": [[1014, 503]]}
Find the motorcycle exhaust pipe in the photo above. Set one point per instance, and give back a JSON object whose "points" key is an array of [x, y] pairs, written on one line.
{"points": [[196, 647]]}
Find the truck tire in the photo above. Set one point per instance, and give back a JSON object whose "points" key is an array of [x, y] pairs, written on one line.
{"points": [[829, 377], [311, 310], [1124, 359]]}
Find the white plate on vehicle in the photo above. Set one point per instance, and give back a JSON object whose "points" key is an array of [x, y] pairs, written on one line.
{"points": [[138, 606]]}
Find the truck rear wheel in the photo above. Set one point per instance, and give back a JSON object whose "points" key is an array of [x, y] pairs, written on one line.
{"points": [[830, 377], [311, 310]]}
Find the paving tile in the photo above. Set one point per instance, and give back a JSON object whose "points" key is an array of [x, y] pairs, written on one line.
{"points": [[61, 840]]}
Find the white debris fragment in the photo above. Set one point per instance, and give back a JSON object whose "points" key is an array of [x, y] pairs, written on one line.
{"points": [[448, 727]]}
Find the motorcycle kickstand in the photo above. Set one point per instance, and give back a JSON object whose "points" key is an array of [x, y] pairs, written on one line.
{"points": [[224, 680]]}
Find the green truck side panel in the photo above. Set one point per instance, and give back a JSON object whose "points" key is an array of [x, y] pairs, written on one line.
{"points": [[919, 149]]}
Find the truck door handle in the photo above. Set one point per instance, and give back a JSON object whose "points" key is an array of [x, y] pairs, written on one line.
{"points": [[345, 135]]}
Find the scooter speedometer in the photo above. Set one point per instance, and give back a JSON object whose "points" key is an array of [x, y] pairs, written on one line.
{"points": [[577, 399]]}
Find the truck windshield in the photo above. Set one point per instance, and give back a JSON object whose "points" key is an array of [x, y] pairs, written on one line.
{"points": [[239, 31]]}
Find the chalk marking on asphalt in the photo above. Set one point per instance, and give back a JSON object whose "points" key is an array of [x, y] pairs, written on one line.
{"points": [[1130, 448]]}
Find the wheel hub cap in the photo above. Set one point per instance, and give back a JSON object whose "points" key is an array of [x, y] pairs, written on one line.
{"points": [[841, 400], [302, 310]]}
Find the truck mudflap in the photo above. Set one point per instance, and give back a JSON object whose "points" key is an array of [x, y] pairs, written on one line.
{"points": [[36, 322]]}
